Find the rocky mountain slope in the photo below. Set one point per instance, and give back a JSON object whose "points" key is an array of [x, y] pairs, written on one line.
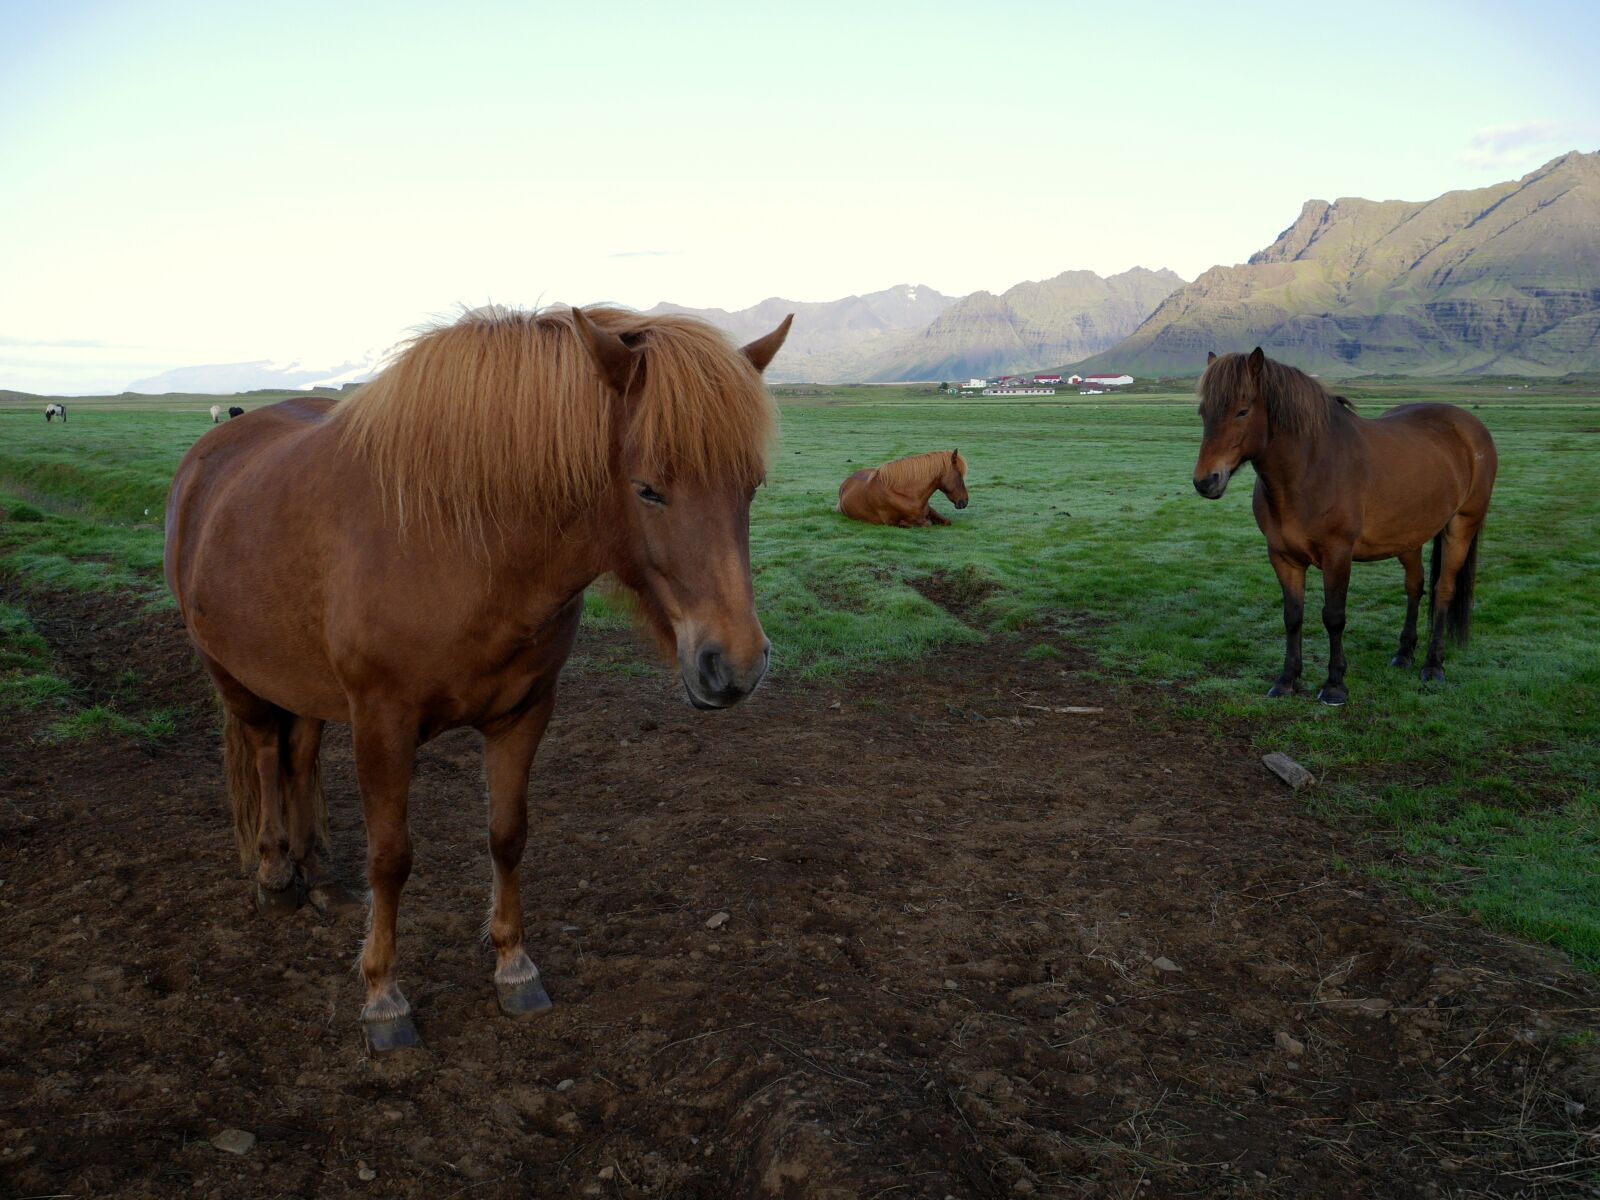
{"points": [[1502, 279], [1026, 327]]}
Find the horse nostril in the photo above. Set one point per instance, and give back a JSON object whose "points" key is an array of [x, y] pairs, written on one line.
{"points": [[713, 669]]}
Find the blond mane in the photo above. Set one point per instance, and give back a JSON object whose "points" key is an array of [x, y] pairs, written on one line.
{"points": [[919, 468], [501, 419]]}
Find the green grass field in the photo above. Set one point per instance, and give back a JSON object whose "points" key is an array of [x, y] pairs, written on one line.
{"points": [[1084, 526]]}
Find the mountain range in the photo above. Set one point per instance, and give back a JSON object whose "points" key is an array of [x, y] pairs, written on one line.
{"points": [[909, 331], [1496, 280]]}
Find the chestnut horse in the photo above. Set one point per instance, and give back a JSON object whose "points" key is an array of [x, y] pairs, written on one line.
{"points": [[413, 560], [1332, 488], [897, 493]]}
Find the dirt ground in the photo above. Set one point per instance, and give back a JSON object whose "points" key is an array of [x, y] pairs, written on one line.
{"points": [[972, 948]]}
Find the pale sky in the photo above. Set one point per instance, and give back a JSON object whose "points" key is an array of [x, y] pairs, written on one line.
{"points": [[188, 183]]}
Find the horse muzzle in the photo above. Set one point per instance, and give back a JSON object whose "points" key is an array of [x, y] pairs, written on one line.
{"points": [[712, 680], [1213, 485], [961, 503]]}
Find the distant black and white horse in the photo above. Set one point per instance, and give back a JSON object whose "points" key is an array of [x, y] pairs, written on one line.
{"points": [[216, 413], [235, 411], [52, 411]]}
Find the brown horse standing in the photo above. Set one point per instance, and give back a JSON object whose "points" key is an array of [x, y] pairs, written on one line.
{"points": [[1332, 488], [413, 560], [897, 493]]}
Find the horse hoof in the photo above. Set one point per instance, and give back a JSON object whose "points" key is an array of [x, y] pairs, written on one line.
{"points": [[1333, 697], [1432, 674], [399, 1033], [276, 905], [525, 999], [1278, 691], [1400, 660], [334, 900]]}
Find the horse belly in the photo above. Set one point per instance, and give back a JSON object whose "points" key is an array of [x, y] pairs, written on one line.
{"points": [[1412, 491]]}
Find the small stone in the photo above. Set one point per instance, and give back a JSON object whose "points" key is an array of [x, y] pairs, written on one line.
{"points": [[1574, 1108], [1289, 1044], [835, 706], [583, 885], [1023, 1187], [717, 920], [608, 1173], [234, 1141], [950, 985], [566, 1085], [365, 1173], [1286, 769], [1165, 964]]}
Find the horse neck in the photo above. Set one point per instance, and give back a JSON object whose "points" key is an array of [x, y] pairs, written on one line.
{"points": [[923, 489], [561, 562], [1289, 460]]}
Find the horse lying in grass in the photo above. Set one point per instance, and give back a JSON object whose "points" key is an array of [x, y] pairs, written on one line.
{"points": [[414, 559], [897, 493], [1332, 488]]}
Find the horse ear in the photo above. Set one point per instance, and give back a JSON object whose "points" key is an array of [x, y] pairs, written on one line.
{"points": [[1257, 361], [618, 365], [1211, 357], [764, 349], [955, 456]]}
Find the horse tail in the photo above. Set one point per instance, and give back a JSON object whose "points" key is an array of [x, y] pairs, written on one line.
{"points": [[1458, 616], [1458, 621], [244, 788]]}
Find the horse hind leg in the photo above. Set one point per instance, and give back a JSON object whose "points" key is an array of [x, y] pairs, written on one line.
{"points": [[252, 751], [306, 810], [1412, 562]]}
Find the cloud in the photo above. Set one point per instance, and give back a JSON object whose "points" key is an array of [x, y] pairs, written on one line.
{"points": [[1500, 145], [644, 253]]}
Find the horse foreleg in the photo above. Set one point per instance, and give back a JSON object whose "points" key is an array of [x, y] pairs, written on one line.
{"points": [[936, 518], [385, 750], [507, 757], [1335, 587], [1412, 562], [1292, 578]]}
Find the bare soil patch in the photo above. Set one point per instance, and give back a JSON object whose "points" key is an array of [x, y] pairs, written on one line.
{"points": [[973, 949]]}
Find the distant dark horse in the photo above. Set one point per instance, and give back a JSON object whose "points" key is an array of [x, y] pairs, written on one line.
{"points": [[52, 411], [235, 411], [1332, 488]]}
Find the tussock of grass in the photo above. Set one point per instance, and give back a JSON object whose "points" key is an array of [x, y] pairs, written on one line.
{"points": [[99, 721]]}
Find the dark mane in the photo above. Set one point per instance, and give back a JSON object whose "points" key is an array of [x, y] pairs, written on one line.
{"points": [[1296, 403]]}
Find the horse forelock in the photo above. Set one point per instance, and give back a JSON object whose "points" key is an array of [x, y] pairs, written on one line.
{"points": [[501, 420], [1296, 403]]}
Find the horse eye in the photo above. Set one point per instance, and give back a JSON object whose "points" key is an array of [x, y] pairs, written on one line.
{"points": [[649, 495], [1243, 412]]}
